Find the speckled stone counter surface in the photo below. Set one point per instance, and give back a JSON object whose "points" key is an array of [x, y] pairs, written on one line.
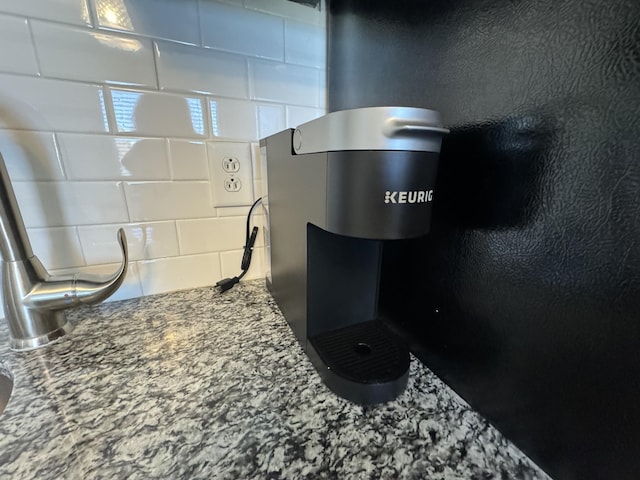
{"points": [[195, 384]]}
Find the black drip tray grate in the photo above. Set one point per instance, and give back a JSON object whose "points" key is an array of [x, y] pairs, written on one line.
{"points": [[365, 353]]}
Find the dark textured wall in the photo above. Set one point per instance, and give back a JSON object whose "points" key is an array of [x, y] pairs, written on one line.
{"points": [[525, 296]]}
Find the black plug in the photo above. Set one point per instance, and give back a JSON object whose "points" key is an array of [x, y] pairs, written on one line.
{"points": [[227, 283]]}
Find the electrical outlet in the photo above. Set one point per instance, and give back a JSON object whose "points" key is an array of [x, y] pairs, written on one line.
{"points": [[230, 174], [232, 184], [230, 164]]}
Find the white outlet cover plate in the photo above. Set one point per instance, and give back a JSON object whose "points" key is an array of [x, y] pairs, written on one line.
{"points": [[218, 151]]}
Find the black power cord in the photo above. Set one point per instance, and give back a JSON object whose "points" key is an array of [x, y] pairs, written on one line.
{"points": [[250, 239]]}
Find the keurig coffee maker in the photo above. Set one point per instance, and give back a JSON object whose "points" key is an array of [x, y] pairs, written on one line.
{"points": [[336, 189]]}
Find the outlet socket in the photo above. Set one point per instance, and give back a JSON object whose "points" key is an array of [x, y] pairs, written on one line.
{"points": [[230, 174], [232, 184], [230, 165]]}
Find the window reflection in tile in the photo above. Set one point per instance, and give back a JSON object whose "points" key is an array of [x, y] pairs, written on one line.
{"points": [[197, 117], [167, 19], [158, 114], [232, 118]]}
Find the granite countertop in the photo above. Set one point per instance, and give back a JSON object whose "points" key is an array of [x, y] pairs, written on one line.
{"points": [[196, 384]]}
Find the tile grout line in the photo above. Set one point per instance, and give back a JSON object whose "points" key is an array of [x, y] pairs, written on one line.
{"points": [[35, 49], [93, 15]]}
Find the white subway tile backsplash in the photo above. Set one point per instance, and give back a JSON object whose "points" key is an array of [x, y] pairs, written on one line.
{"points": [[167, 19], [93, 56], [66, 11], [305, 44], [232, 211], [187, 68], [109, 125], [149, 201], [130, 288], [299, 115], [233, 119], [52, 204], [42, 104], [211, 234], [145, 241], [17, 54], [234, 29], [30, 156], [286, 83], [287, 8], [188, 160], [177, 273], [101, 157], [271, 119], [158, 114], [56, 247]]}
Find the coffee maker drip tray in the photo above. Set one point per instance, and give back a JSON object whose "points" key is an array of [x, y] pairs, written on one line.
{"points": [[365, 362]]}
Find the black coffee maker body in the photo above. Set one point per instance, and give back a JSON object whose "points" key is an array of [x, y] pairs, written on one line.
{"points": [[336, 189]]}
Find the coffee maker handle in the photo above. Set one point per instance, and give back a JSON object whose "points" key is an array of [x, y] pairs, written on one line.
{"points": [[401, 127]]}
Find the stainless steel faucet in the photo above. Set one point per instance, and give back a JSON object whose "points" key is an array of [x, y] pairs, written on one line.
{"points": [[34, 301]]}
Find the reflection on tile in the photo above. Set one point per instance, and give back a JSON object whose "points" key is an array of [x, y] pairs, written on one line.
{"points": [[80, 54], [234, 29], [270, 119], [178, 273], [255, 161], [211, 234], [130, 288], [305, 44], [257, 189], [42, 104], [150, 201], [188, 160], [232, 2], [284, 83], [299, 115], [187, 68], [56, 247], [157, 114], [17, 54], [322, 88], [66, 11], [99, 157], [168, 19], [30, 155], [53, 204], [145, 241], [233, 119]]}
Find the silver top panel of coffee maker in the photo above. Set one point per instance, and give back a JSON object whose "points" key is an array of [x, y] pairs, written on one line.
{"points": [[373, 128]]}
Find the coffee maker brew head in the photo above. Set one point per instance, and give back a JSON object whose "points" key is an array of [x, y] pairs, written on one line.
{"points": [[381, 168], [372, 128]]}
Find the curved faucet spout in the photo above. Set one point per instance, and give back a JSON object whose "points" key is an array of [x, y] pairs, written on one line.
{"points": [[61, 292], [96, 288], [34, 301]]}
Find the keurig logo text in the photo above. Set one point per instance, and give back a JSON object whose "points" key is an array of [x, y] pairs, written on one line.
{"points": [[418, 196]]}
